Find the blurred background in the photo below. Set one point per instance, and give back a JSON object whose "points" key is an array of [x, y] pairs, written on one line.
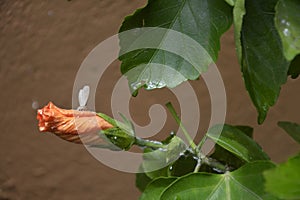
{"points": [[42, 45]]}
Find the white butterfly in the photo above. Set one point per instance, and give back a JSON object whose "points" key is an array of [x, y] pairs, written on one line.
{"points": [[83, 97]]}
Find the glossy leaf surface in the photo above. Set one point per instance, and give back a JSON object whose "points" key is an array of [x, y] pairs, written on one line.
{"points": [[293, 129], [264, 66], [244, 183], [238, 143], [165, 60], [287, 19]]}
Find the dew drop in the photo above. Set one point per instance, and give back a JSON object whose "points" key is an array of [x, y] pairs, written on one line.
{"points": [[286, 32]]}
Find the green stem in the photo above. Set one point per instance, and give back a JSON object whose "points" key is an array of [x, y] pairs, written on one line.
{"points": [[202, 142], [215, 164], [178, 121], [148, 143], [200, 157], [197, 168]]}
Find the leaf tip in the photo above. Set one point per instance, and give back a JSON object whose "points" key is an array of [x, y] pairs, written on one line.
{"points": [[261, 117]]}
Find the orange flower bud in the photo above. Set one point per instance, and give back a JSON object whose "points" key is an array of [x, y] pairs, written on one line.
{"points": [[72, 125]]}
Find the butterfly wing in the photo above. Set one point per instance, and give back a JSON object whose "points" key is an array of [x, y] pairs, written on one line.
{"points": [[83, 95]]}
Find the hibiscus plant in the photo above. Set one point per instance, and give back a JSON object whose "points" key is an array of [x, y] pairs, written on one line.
{"points": [[267, 40]]}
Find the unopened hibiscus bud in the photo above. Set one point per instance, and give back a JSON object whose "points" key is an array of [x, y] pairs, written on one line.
{"points": [[72, 125]]}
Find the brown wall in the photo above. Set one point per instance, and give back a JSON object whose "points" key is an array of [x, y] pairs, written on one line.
{"points": [[42, 46]]}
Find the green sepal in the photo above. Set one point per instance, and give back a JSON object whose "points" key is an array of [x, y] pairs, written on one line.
{"points": [[119, 137]]}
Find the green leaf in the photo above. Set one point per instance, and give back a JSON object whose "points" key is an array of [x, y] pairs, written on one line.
{"points": [[185, 164], [237, 142], [155, 188], [156, 163], [228, 158], [287, 20], [292, 129], [264, 66], [166, 61], [141, 181], [247, 130], [294, 69], [244, 183], [238, 14], [284, 180]]}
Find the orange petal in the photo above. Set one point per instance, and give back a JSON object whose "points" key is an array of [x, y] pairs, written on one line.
{"points": [[72, 125]]}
